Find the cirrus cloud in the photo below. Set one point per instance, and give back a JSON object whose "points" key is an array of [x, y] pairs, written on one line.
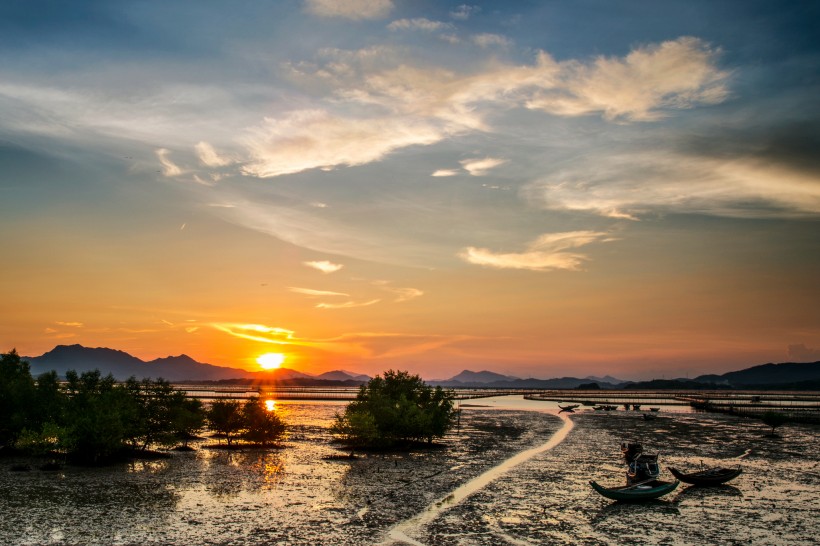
{"points": [[549, 252], [425, 105], [421, 23], [318, 139], [315, 293], [350, 9], [627, 186], [324, 266]]}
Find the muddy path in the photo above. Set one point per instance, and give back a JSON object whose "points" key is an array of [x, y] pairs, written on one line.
{"points": [[404, 531]]}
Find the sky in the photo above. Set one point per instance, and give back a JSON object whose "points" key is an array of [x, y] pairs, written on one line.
{"points": [[537, 188]]}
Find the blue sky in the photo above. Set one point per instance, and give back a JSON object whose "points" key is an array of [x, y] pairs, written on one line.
{"points": [[540, 188]]}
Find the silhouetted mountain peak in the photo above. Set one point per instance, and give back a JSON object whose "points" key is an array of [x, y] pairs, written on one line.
{"points": [[485, 376], [342, 375]]}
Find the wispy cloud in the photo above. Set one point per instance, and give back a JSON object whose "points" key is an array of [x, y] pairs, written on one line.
{"points": [[490, 40], [350, 9], [547, 253], [313, 139], [402, 294], [445, 173], [427, 106], [359, 344], [324, 266], [464, 12], [674, 74], [479, 167], [70, 324], [169, 168], [259, 332], [347, 304], [628, 186], [420, 23], [209, 156], [315, 293]]}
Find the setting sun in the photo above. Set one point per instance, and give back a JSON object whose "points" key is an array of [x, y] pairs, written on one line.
{"points": [[270, 361]]}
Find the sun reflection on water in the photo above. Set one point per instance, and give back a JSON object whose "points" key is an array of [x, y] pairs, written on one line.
{"points": [[270, 405]]}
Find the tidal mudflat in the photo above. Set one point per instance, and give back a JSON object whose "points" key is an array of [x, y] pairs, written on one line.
{"points": [[547, 500], [295, 496]]}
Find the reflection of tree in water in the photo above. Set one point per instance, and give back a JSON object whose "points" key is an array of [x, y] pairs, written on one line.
{"points": [[232, 472]]}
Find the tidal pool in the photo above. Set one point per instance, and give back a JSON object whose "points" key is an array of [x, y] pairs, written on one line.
{"points": [[294, 496]]}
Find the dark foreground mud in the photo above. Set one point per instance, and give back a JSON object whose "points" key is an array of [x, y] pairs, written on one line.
{"points": [[297, 495], [292, 495], [548, 501]]}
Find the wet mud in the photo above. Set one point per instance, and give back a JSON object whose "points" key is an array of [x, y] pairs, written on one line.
{"points": [[547, 500], [302, 494]]}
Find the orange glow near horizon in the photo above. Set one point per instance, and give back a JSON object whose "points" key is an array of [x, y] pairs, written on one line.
{"points": [[271, 361]]}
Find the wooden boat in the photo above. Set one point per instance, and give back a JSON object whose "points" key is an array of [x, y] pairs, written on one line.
{"points": [[654, 409], [568, 409], [710, 476], [637, 492]]}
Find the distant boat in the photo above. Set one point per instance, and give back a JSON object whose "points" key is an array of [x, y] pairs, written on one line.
{"points": [[568, 409], [710, 476], [637, 492], [654, 409]]}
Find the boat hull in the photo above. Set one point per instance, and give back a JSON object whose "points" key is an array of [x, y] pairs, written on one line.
{"points": [[649, 491], [713, 476]]}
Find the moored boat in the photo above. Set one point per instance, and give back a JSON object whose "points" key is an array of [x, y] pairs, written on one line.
{"points": [[637, 492], [710, 476]]}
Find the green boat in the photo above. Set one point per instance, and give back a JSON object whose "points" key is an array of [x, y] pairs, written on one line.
{"points": [[638, 492]]}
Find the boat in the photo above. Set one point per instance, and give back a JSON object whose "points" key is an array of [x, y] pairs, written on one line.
{"points": [[636, 492], [710, 476], [654, 409], [568, 409]]}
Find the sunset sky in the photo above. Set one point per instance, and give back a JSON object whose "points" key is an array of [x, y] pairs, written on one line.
{"points": [[540, 188]]}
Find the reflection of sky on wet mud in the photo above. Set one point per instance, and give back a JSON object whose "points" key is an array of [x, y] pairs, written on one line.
{"points": [[293, 495]]}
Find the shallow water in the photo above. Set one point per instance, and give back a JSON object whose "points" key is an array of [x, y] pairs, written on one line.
{"points": [[293, 496]]}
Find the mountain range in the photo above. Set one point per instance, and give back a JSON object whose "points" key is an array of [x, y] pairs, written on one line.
{"points": [[184, 368], [487, 379], [173, 368]]}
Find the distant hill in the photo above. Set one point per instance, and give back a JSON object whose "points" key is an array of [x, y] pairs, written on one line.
{"points": [[674, 384], [173, 368], [785, 376], [342, 375], [467, 377], [485, 379], [767, 374]]}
